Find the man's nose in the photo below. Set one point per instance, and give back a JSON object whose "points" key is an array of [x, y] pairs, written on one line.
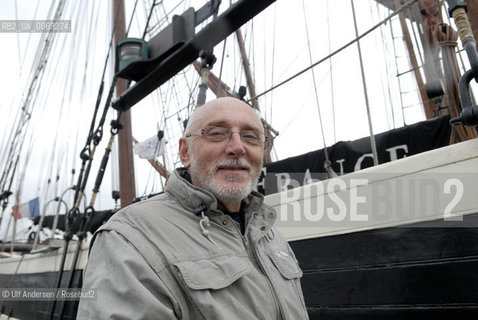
{"points": [[235, 145]]}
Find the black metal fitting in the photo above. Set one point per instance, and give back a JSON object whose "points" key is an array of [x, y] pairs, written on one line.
{"points": [[116, 125], [85, 153], [98, 135], [469, 114], [207, 59]]}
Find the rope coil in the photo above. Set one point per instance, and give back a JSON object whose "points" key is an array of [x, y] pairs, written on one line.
{"points": [[463, 25]]}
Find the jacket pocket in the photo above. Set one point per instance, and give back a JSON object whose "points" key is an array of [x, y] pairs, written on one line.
{"points": [[216, 273], [285, 263], [224, 287]]}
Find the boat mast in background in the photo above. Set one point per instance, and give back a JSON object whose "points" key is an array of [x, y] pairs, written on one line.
{"points": [[125, 137]]}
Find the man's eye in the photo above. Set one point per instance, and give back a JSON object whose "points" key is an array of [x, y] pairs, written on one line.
{"points": [[216, 132], [250, 135]]}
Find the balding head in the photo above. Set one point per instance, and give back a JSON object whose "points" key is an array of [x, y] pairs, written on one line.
{"points": [[223, 105]]}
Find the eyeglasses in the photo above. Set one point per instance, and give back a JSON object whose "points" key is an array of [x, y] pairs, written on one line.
{"points": [[219, 134]]}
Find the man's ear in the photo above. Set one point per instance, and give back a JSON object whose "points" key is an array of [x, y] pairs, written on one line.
{"points": [[184, 152]]}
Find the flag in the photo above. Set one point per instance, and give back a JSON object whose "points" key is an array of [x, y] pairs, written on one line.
{"points": [[29, 209], [150, 148], [16, 215]]}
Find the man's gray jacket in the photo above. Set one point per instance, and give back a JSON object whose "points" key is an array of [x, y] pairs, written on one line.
{"points": [[177, 256]]}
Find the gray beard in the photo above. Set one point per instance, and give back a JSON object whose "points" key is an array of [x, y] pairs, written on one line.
{"points": [[227, 194]]}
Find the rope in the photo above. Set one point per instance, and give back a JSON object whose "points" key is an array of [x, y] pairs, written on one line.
{"points": [[463, 25], [328, 163], [348, 44], [388, 76], [131, 18], [462, 62], [24, 115], [331, 74], [148, 19], [372, 137], [271, 102], [204, 224], [18, 42], [218, 92]]}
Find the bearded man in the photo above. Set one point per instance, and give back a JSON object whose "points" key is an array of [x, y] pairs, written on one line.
{"points": [[205, 248]]}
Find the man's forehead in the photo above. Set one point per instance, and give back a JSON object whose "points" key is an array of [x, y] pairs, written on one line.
{"points": [[227, 113]]}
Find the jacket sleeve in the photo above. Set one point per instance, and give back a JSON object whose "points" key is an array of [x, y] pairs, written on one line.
{"points": [[126, 286]]}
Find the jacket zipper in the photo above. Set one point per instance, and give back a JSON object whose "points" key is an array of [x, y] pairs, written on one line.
{"points": [[263, 272]]}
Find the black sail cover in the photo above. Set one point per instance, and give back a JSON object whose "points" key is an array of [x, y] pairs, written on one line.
{"points": [[350, 156]]}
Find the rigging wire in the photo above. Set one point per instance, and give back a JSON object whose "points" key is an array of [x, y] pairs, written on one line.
{"points": [[264, 63], [87, 152], [82, 181], [417, 43], [252, 54], [396, 67], [364, 84], [165, 19], [131, 19], [27, 110], [238, 68], [145, 31], [27, 107], [190, 88], [90, 45], [406, 5], [7, 157], [21, 177], [159, 21], [332, 96], [18, 40], [387, 73], [87, 157], [326, 153], [44, 96], [30, 34], [81, 37], [221, 65], [274, 38]]}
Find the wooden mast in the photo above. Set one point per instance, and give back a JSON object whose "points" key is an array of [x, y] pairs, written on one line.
{"points": [[247, 69], [252, 93], [125, 140]]}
